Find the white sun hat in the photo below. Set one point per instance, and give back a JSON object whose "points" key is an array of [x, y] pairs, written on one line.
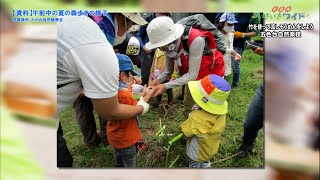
{"points": [[136, 18], [162, 31]]}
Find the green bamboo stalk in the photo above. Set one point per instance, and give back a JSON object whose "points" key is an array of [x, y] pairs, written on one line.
{"points": [[174, 161], [179, 136], [161, 130], [167, 155]]}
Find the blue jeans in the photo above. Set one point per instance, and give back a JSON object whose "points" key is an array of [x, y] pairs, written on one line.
{"points": [[236, 67], [125, 157], [254, 119]]}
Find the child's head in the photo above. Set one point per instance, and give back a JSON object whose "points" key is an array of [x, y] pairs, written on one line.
{"points": [[211, 93], [226, 22], [126, 69]]}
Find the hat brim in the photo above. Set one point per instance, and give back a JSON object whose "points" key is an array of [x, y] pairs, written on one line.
{"points": [[208, 106], [134, 73], [232, 22], [178, 31], [136, 18]]}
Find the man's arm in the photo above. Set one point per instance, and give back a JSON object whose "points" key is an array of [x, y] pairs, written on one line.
{"points": [[249, 34], [195, 56], [98, 70], [111, 109], [166, 74]]}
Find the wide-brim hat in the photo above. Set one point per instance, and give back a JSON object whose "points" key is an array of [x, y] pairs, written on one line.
{"points": [[211, 93], [136, 18], [162, 31]]}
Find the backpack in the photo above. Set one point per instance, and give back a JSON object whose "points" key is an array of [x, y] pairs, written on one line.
{"points": [[212, 60], [199, 21]]}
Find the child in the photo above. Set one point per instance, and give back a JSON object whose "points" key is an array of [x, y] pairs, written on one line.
{"points": [[207, 121], [123, 135], [226, 26], [158, 66]]}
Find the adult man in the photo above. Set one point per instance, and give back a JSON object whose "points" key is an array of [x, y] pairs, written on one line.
{"points": [[254, 119], [194, 63], [83, 105], [86, 59]]}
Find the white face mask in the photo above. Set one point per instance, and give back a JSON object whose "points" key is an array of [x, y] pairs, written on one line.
{"points": [[228, 29], [170, 51], [119, 39]]}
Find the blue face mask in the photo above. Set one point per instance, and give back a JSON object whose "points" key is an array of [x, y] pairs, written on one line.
{"points": [[108, 28]]}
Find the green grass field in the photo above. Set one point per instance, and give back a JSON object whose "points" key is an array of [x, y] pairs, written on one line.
{"points": [[239, 101]]}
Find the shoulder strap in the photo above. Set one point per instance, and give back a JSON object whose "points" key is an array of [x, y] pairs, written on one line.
{"points": [[185, 38]]}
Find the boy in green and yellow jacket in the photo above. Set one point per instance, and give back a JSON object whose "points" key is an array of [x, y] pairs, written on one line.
{"points": [[207, 121]]}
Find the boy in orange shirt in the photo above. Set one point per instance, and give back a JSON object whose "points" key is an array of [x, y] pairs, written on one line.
{"points": [[123, 135]]}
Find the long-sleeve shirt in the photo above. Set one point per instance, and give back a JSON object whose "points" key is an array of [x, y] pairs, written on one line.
{"points": [[227, 56], [195, 55]]}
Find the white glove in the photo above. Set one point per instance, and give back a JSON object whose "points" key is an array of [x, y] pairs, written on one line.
{"points": [[144, 105], [137, 88]]}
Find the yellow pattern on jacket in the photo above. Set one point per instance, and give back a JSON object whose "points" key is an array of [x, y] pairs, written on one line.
{"points": [[161, 59], [203, 131]]}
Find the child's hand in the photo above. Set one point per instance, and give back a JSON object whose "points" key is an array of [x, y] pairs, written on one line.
{"points": [[159, 89], [155, 82], [148, 95], [145, 89], [237, 57], [137, 80], [259, 51]]}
